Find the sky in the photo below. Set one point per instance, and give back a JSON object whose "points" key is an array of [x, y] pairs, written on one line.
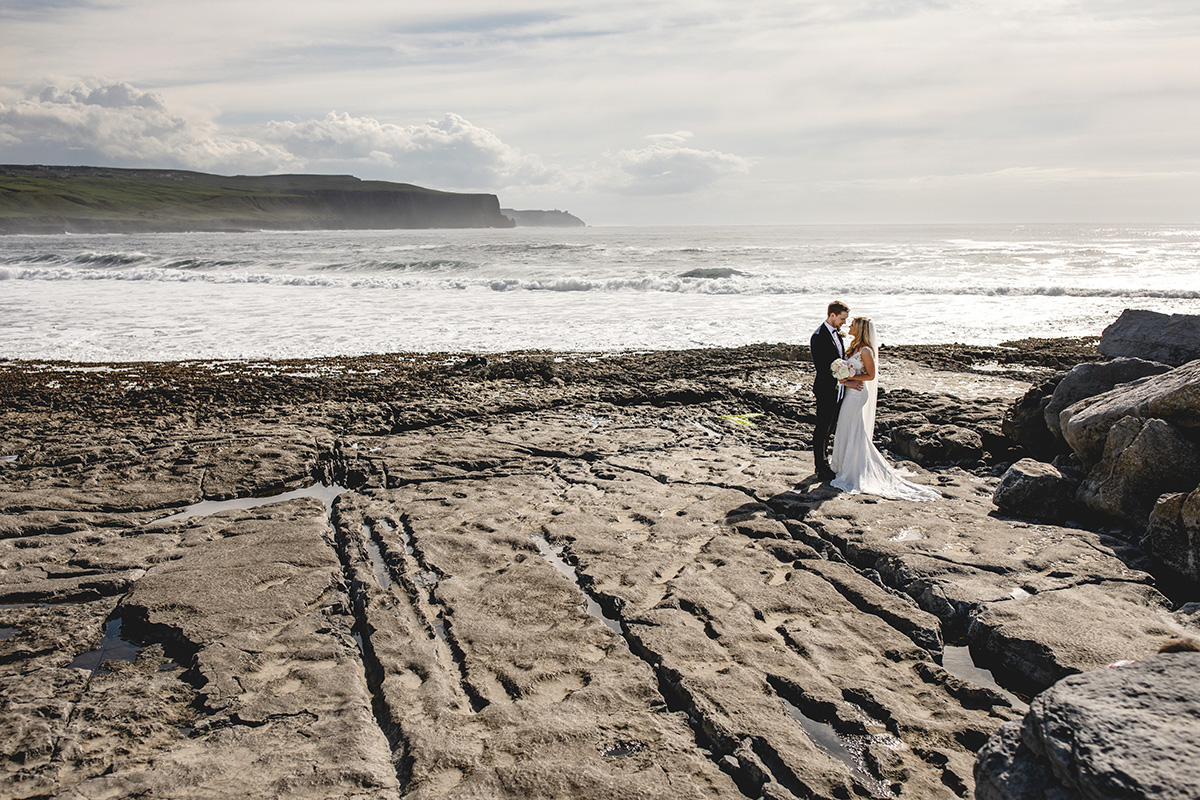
{"points": [[638, 112]]}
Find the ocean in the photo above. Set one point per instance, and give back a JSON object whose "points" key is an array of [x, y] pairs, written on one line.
{"points": [[103, 298]]}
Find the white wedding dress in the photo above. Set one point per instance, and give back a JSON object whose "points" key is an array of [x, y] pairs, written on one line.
{"points": [[860, 467]]}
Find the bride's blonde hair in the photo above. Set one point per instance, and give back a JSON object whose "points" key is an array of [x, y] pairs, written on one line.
{"points": [[863, 331]]}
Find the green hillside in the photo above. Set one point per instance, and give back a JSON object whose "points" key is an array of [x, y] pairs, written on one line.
{"points": [[43, 199]]}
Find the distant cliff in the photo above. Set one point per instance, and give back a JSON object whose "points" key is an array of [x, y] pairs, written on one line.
{"points": [[543, 219], [44, 199]]}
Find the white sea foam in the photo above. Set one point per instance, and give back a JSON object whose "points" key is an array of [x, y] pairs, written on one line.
{"points": [[88, 298]]}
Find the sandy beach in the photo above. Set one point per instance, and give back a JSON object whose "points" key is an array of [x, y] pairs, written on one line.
{"points": [[527, 575]]}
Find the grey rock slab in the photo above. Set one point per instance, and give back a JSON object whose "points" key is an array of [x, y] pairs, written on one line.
{"points": [[1170, 338], [1006, 769], [239, 570], [19, 521], [465, 447], [1173, 534], [1173, 397], [956, 557], [257, 460], [731, 627], [256, 596], [39, 690], [113, 495], [19, 586], [1035, 489], [1053, 634], [938, 444], [1142, 460], [550, 702], [1089, 380], [895, 608], [1127, 733]]}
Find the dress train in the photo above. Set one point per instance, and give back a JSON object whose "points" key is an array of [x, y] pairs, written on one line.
{"points": [[860, 467]]}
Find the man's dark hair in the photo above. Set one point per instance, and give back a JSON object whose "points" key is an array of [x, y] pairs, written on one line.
{"points": [[838, 307]]}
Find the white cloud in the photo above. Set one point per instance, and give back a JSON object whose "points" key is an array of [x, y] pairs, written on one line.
{"points": [[113, 95], [118, 125], [450, 152], [668, 167]]}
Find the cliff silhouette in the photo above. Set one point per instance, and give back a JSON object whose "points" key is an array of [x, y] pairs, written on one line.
{"points": [[60, 199]]}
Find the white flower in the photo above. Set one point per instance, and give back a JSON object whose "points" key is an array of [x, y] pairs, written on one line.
{"points": [[841, 369]]}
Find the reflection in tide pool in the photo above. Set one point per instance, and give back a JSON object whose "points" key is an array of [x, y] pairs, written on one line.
{"points": [[959, 663], [113, 647], [324, 493]]}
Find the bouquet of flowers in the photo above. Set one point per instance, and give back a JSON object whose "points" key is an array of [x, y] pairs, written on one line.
{"points": [[841, 369]]}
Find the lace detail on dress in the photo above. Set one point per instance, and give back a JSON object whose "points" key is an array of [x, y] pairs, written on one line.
{"points": [[859, 465]]}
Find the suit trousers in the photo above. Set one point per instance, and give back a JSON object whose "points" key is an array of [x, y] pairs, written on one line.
{"points": [[828, 406]]}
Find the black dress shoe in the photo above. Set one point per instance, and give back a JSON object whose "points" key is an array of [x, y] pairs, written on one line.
{"points": [[826, 474]]}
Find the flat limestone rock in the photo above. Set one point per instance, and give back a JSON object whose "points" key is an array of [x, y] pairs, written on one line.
{"points": [[521, 577], [1016, 590], [1062, 632]]}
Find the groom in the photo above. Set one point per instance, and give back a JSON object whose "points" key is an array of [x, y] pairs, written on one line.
{"points": [[826, 346]]}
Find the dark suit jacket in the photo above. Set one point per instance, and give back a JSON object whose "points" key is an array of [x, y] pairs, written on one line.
{"points": [[824, 352]]}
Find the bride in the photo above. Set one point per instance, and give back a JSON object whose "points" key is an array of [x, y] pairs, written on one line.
{"points": [[859, 466]]}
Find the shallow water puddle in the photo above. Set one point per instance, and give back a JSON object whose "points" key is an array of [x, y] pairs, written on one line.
{"points": [[908, 535], [849, 749], [959, 663], [383, 575], [554, 557], [113, 647], [8, 633], [324, 493]]}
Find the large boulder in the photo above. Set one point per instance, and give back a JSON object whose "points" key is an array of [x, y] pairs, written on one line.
{"points": [[1128, 733], [1142, 460], [1173, 396], [938, 444], [1025, 421], [1170, 338], [1035, 489], [1173, 535], [1089, 380]]}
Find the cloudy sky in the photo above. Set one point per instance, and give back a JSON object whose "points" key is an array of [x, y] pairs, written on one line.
{"points": [[638, 111]]}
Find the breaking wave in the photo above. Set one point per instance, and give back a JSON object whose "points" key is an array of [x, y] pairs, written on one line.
{"points": [[435, 275]]}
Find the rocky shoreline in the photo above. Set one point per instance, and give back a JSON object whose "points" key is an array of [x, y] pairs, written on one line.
{"points": [[533, 575]]}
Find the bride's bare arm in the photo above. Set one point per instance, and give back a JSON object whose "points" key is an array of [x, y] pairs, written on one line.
{"points": [[868, 359]]}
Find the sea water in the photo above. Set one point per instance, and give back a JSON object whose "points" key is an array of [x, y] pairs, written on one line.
{"points": [[301, 294]]}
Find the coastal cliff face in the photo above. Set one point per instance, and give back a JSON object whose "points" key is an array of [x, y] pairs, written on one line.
{"points": [[47, 200], [543, 219]]}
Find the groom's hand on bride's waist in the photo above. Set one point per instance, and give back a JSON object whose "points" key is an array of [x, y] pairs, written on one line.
{"points": [[850, 383]]}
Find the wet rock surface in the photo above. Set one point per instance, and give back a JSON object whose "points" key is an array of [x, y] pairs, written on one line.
{"points": [[531, 575]]}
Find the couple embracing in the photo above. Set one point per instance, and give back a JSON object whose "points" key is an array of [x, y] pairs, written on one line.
{"points": [[847, 391]]}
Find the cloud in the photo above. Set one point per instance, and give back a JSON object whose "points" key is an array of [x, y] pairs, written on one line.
{"points": [[113, 95], [668, 167], [450, 152], [115, 124]]}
